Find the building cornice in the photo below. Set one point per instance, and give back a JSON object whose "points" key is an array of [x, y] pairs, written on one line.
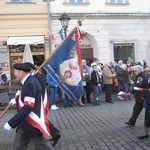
{"points": [[138, 15]]}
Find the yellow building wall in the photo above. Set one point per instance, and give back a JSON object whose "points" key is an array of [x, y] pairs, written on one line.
{"points": [[23, 20]]}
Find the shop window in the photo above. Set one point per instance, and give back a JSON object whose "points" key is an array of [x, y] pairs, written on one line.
{"points": [[124, 52], [17, 51]]}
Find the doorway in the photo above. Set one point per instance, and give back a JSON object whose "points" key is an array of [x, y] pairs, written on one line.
{"points": [[87, 54]]}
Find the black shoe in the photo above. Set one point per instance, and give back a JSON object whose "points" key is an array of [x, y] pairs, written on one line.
{"points": [[97, 104], [89, 102], [109, 101], [56, 140], [143, 137], [65, 106], [129, 123]]}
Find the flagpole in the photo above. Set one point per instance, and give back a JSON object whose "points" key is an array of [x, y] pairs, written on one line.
{"points": [[55, 50], [5, 110]]}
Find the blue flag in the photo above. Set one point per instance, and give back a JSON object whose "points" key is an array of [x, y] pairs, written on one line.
{"points": [[64, 66], [61, 34]]}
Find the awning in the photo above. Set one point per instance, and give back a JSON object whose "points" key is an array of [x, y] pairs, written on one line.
{"points": [[25, 40]]}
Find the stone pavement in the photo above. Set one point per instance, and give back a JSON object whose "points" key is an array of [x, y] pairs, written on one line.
{"points": [[90, 127]]}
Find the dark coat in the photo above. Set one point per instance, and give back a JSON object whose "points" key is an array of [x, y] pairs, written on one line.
{"points": [[42, 81], [95, 79], [31, 89], [147, 109], [139, 94], [125, 76], [118, 71]]}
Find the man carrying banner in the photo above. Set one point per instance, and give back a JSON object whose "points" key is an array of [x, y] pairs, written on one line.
{"points": [[56, 134], [141, 83], [29, 120]]}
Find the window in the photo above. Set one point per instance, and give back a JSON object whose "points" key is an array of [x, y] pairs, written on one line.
{"points": [[76, 1], [124, 51], [117, 1], [120, 1], [112, 1], [20, 1]]}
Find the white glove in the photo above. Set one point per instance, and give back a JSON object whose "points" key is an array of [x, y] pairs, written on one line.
{"points": [[12, 102], [17, 93], [7, 126]]}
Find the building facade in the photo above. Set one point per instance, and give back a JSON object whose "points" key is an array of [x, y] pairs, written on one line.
{"points": [[112, 29], [22, 22]]}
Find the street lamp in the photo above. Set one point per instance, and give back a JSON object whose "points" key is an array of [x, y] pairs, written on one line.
{"points": [[64, 19]]}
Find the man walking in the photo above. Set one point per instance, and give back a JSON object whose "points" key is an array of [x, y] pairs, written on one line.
{"points": [[29, 107], [140, 82]]}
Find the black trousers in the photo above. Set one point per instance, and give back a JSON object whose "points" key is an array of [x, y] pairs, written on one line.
{"points": [[88, 89], [22, 141], [108, 90], [136, 111]]}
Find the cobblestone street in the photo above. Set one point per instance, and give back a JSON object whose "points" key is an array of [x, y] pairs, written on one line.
{"points": [[90, 128]]}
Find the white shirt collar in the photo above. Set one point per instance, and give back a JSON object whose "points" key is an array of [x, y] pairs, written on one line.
{"points": [[33, 72]]}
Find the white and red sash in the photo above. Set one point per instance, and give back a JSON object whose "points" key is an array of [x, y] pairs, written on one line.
{"points": [[33, 119]]}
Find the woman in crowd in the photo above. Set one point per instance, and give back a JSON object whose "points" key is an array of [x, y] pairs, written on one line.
{"points": [[52, 85], [125, 81]]}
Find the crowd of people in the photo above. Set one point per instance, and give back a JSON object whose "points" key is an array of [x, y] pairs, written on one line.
{"points": [[96, 77]]}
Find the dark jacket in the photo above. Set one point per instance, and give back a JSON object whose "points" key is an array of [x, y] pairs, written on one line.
{"points": [[125, 76], [42, 81], [31, 89], [4, 78], [147, 101], [118, 71], [139, 94], [95, 79]]}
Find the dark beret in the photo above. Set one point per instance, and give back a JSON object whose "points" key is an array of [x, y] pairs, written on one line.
{"points": [[30, 65], [22, 66]]}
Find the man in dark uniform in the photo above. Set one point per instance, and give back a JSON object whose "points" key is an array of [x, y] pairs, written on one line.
{"points": [[28, 105], [38, 76], [140, 82], [56, 134]]}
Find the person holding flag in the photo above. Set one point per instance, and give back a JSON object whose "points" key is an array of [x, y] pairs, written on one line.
{"points": [[56, 134], [145, 134], [29, 119], [140, 81]]}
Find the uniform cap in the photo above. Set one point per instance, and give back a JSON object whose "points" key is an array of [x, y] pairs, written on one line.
{"points": [[30, 65], [22, 66]]}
